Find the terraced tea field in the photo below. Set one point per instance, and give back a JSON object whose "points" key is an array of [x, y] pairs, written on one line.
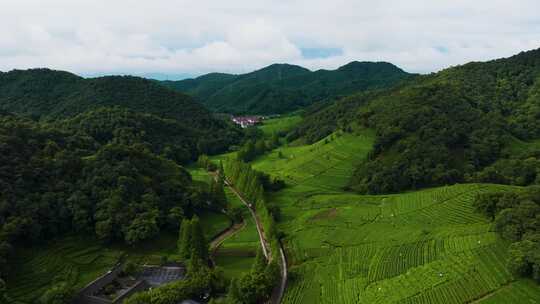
{"points": [[428, 246], [71, 260]]}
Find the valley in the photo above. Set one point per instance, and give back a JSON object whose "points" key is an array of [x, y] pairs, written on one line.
{"points": [[364, 184]]}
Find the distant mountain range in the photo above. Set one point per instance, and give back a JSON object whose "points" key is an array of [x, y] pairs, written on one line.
{"points": [[281, 88]]}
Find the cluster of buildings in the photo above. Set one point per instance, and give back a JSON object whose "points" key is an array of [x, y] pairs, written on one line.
{"points": [[247, 121]]}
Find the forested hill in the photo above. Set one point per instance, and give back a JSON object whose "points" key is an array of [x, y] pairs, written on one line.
{"points": [[55, 94], [476, 122], [281, 88], [120, 109]]}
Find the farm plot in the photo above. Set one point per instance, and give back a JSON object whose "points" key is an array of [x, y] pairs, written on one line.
{"points": [[427, 246], [417, 257], [280, 124], [423, 256], [326, 164], [521, 291], [71, 260]]}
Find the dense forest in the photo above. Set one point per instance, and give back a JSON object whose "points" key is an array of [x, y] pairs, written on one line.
{"points": [[53, 94], [54, 181], [281, 88], [461, 124], [100, 157]]}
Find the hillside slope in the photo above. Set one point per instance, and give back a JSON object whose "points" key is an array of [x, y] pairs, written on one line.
{"points": [[443, 128], [56, 94], [123, 108], [281, 88], [427, 246]]}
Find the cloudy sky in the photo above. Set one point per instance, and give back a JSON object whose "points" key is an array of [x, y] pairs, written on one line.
{"points": [[177, 38]]}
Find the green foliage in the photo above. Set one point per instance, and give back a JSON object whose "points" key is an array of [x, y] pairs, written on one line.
{"points": [[282, 88], [130, 268], [516, 217], [56, 182], [184, 242], [48, 93], [192, 243], [251, 149], [201, 280], [279, 126], [199, 244], [441, 128], [122, 109], [58, 294], [217, 191], [518, 169], [173, 139], [255, 286], [205, 163], [414, 247]]}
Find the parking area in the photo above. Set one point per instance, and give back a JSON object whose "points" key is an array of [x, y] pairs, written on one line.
{"points": [[156, 276]]}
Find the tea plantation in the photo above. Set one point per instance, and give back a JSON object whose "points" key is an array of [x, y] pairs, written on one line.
{"points": [[427, 246]]}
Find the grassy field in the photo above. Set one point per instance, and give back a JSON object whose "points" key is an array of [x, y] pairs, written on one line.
{"points": [[275, 125], [237, 253], [214, 223], [428, 246]]}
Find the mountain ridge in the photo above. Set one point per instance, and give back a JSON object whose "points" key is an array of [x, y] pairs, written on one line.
{"points": [[281, 87]]}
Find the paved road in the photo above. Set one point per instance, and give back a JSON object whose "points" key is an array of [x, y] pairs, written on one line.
{"points": [[278, 292]]}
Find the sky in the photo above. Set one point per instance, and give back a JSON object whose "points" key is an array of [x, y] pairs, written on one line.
{"points": [[175, 39]]}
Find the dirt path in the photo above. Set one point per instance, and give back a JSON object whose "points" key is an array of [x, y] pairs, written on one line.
{"points": [[217, 241]]}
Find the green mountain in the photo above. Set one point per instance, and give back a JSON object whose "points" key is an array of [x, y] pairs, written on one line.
{"points": [[119, 108], [467, 123], [281, 88], [55, 94]]}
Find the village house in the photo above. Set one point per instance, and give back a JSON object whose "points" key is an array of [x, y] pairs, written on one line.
{"points": [[247, 121]]}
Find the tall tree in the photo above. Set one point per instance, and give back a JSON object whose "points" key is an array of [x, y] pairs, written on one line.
{"points": [[184, 242], [198, 240]]}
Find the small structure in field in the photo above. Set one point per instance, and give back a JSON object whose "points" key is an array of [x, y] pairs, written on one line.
{"points": [[115, 286], [247, 121]]}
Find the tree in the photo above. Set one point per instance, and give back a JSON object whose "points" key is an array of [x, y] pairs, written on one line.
{"points": [[517, 218], [184, 242], [217, 192], [233, 295], [260, 262], [221, 170], [198, 240], [143, 227], [175, 216]]}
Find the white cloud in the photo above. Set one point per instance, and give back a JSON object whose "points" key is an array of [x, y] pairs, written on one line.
{"points": [[178, 36]]}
